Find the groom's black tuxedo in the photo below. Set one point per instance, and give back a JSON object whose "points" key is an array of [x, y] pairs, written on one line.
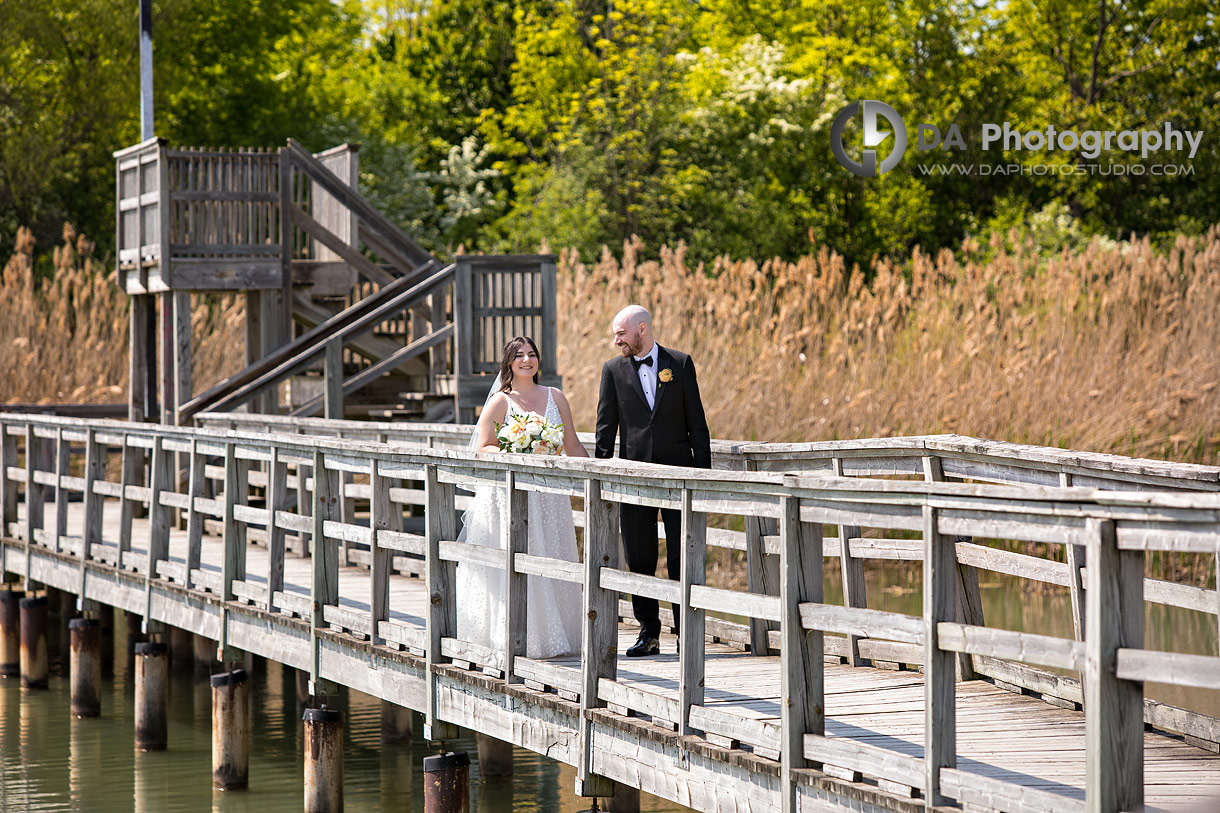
{"points": [[674, 432]]}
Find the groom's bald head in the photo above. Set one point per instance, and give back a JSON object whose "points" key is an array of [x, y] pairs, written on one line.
{"points": [[632, 328]]}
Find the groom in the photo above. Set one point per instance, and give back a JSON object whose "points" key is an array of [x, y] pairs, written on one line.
{"points": [[651, 394]]}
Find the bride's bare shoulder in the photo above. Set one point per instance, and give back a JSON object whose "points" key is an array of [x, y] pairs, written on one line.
{"points": [[497, 405]]}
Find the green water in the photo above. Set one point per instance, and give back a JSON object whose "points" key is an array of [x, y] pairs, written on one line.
{"points": [[50, 761]]}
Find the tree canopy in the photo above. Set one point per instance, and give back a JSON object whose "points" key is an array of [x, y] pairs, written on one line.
{"points": [[499, 126]]}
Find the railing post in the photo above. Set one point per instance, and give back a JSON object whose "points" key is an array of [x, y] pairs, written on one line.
{"points": [[516, 535], [8, 486], [969, 600], [95, 471], [599, 650], [194, 517], [1077, 556], [762, 573], [440, 579], [851, 570], [132, 474], [277, 490], [160, 478], [692, 628], [333, 370], [802, 670], [35, 497], [63, 451], [381, 519], [233, 566], [1113, 708], [324, 563], [940, 689]]}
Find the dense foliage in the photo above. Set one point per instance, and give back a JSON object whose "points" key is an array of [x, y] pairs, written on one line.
{"points": [[499, 125]]}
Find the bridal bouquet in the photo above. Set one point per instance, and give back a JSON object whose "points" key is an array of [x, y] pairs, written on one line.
{"points": [[530, 434]]}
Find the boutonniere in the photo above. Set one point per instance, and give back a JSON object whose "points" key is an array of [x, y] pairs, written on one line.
{"points": [[666, 375]]}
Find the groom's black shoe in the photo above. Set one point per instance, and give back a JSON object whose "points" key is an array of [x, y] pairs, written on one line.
{"points": [[643, 646]]}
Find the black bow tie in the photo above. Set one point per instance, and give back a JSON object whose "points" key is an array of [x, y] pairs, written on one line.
{"points": [[637, 362]]}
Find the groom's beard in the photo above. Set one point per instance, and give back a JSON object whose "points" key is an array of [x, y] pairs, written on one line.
{"points": [[630, 349]]}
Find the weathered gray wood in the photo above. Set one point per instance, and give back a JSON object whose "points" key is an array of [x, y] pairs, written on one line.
{"points": [[851, 570], [637, 584], [599, 628], [863, 623], [367, 268], [940, 705], [324, 559], [762, 576], [1026, 647], [1076, 558], [35, 494], [802, 680], [195, 517], [1113, 707], [8, 486], [137, 352], [735, 602], [158, 514], [988, 792], [95, 472], [691, 631], [61, 468], [333, 370], [440, 579], [277, 496], [236, 493], [1175, 668], [381, 518], [516, 536], [870, 760]]}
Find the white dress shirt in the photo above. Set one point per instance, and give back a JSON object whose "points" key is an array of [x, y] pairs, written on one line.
{"points": [[648, 375]]}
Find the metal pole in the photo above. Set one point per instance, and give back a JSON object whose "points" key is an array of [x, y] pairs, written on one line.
{"points": [[146, 71], [447, 783], [323, 761]]}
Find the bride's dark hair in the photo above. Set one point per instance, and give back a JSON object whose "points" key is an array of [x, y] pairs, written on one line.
{"points": [[510, 354]]}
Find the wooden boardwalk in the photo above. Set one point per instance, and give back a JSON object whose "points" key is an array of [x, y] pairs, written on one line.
{"points": [[716, 727], [1015, 738]]}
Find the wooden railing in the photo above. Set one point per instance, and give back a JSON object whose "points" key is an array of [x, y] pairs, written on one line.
{"points": [[279, 485]]}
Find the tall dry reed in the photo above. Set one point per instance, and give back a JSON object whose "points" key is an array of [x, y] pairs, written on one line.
{"points": [[1111, 348], [63, 336]]}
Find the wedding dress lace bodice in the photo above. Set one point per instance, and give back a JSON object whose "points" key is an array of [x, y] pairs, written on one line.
{"points": [[552, 606]]}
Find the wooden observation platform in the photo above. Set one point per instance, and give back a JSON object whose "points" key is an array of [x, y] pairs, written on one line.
{"points": [[331, 546], [347, 311]]}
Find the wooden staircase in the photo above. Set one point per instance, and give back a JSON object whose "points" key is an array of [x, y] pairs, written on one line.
{"points": [[347, 315]]}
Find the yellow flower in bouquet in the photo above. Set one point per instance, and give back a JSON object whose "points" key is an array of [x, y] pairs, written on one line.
{"points": [[530, 434]]}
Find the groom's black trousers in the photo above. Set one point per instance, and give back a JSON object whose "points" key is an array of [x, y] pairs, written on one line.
{"points": [[639, 526]]}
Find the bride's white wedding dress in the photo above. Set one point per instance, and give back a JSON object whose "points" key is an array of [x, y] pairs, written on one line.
{"points": [[553, 608]]}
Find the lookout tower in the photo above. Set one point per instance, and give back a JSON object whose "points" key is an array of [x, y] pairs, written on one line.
{"points": [[349, 313]]}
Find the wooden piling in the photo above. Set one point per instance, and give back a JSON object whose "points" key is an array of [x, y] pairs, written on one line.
{"points": [[85, 645], [323, 760], [152, 696], [34, 661], [626, 799], [495, 756], [181, 649], [205, 654], [447, 783], [10, 632], [397, 722], [230, 730]]}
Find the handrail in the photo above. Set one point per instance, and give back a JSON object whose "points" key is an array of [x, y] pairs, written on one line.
{"points": [[358, 317], [1116, 527], [304, 352], [318, 172]]}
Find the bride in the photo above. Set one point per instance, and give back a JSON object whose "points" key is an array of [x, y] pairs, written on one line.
{"points": [[552, 606]]}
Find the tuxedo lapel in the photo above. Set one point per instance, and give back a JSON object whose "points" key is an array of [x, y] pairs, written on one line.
{"points": [[664, 362], [633, 379]]}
